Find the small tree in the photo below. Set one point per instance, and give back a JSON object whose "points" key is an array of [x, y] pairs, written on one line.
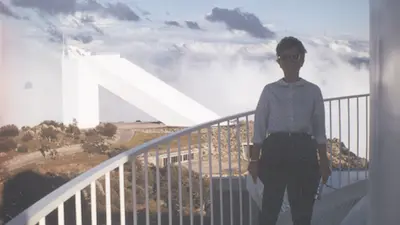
{"points": [[27, 136], [49, 133], [107, 129], [9, 131], [7, 144], [53, 123], [72, 129]]}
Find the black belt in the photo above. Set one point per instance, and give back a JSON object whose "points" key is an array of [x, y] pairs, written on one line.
{"points": [[290, 134]]}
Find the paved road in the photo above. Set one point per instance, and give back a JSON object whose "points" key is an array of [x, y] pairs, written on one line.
{"points": [[124, 126], [125, 135]]}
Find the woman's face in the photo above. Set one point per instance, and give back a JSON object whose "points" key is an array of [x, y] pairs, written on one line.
{"points": [[291, 60]]}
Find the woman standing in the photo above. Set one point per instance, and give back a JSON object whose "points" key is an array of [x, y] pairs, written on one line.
{"points": [[289, 131]]}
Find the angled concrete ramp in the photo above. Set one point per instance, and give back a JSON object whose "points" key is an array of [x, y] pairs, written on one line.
{"points": [[163, 101], [83, 73], [334, 207]]}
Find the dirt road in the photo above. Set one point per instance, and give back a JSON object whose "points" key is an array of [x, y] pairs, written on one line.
{"points": [[21, 161]]}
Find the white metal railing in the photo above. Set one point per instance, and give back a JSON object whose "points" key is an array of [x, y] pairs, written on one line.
{"points": [[198, 189]]}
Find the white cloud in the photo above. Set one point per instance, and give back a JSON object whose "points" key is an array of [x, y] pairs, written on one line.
{"points": [[222, 64], [228, 65], [222, 70]]}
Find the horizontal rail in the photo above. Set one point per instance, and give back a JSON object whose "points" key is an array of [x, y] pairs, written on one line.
{"points": [[345, 97], [66, 191]]}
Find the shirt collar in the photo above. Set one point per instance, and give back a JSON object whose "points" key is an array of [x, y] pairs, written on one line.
{"points": [[300, 82]]}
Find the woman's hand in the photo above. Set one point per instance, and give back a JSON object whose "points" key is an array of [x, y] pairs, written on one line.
{"points": [[253, 170], [324, 168]]}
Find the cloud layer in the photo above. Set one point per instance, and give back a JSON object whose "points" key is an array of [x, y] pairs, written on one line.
{"points": [[223, 61], [224, 69], [238, 20]]}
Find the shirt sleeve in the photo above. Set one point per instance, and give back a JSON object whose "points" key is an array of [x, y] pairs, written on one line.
{"points": [[318, 119], [261, 118]]}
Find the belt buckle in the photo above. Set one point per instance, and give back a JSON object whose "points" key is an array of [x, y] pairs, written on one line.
{"points": [[290, 134]]}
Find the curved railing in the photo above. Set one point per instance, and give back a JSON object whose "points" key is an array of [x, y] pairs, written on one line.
{"points": [[192, 175]]}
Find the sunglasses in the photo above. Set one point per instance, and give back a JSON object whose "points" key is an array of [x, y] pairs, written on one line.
{"points": [[289, 57]]}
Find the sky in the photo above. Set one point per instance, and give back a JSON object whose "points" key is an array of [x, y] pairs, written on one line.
{"points": [[314, 17]]}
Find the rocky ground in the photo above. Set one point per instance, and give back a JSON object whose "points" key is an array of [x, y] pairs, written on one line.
{"points": [[343, 158], [340, 155]]}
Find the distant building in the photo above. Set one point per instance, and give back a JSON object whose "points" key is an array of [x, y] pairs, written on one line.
{"points": [[175, 157]]}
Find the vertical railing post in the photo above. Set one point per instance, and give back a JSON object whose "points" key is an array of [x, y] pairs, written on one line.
{"points": [[384, 195]]}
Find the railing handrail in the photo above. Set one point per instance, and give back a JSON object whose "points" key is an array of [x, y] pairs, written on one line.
{"points": [[51, 201], [345, 97]]}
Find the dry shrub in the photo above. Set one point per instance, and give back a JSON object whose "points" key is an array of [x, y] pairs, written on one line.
{"points": [[9, 131], [7, 144], [73, 129], [50, 133], [94, 143], [91, 132], [107, 129], [98, 147], [94, 138], [48, 148], [27, 136], [151, 190], [25, 128], [53, 123]]}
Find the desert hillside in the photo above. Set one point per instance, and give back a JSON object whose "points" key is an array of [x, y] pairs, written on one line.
{"points": [[51, 153]]}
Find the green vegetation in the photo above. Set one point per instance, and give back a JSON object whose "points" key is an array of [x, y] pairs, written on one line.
{"points": [[143, 137], [50, 135]]}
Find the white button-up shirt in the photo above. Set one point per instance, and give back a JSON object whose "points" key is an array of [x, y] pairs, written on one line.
{"points": [[290, 107]]}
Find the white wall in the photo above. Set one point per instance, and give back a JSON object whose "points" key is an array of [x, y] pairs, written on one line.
{"points": [[80, 96]]}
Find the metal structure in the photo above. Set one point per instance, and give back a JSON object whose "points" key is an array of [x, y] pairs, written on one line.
{"points": [[83, 72], [384, 194], [208, 189]]}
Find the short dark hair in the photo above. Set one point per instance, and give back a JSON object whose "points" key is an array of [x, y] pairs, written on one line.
{"points": [[288, 43]]}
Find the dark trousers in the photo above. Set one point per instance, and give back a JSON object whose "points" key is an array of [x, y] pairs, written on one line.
{"points": [[289, 161]]}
